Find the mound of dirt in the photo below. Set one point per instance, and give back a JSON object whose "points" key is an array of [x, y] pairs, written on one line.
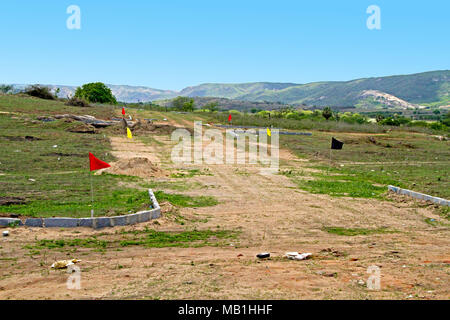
{"points": [[82, 128], [139, 167], [146, 127]]}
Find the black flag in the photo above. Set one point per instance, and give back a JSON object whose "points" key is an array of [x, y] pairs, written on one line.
{"points": [[336, 144]]}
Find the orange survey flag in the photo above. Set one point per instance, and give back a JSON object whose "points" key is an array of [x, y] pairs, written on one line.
{"points": [[97, 164]]}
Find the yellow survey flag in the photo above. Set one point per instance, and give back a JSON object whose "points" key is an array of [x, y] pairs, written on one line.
{"points": [[129, 134], [269, 133]]}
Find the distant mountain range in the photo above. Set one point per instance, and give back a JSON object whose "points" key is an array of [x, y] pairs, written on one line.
{"points": [[402, 91]]}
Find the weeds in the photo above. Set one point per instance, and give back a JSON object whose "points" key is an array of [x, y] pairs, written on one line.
{"points": [[356, 231], [186, 201]]}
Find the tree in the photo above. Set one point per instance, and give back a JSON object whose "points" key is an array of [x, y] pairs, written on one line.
{"points": [[212, 106], [379, 118], [5, 88], [183, 104], [96, 93], [39, 91], [327, 113], [446, 119]]}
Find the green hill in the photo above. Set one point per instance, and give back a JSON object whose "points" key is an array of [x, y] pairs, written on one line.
{"points": [[428, 87], [431, 88]]}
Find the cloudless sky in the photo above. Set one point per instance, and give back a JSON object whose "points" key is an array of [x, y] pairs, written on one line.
{"points": [[171, 44]]}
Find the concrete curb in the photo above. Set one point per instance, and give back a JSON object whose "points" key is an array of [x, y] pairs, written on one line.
{"points": [[7, 222], [281, 132], [420, 196], [96, 223]]}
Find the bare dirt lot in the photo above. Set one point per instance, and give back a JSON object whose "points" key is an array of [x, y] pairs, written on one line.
{"points": [[271, 215]]}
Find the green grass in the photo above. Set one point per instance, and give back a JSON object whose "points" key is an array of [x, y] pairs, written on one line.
{"points": [[147, 238], [356, 231], [414, 161], [35, 106], [174, 185], [292, 124], [156, 239], [82, 243], [109, 203], [186, 201], [355, 189], [55, 181], [191, 173]]}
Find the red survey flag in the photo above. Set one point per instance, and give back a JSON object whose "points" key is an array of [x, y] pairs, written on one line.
{"points": [[123, 111], [97, 164], [229, 118]]}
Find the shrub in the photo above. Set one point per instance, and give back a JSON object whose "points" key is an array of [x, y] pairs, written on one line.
{"points": [[40, 92], [395, 121], [327, 113], [446, 119], [5, 88], [438, 126], [77, 102], [422, 124], [183, 104], [96, 93]]}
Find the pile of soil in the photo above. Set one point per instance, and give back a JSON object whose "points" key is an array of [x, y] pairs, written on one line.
{"points": [[82, 127], [139, 167], [146, 127], [162, 129]]}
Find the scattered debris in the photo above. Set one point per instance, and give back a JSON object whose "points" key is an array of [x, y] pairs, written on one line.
{"points": [[264, 255], [87, 120], [327, 274], [46, 119], [298, 256], [63, 264], [441, 138], [333, 252]]}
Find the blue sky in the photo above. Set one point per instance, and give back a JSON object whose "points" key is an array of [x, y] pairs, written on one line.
{"points": [[171, 44]]}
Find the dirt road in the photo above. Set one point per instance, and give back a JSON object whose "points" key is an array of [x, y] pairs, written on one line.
{"points": [[272, 215]]}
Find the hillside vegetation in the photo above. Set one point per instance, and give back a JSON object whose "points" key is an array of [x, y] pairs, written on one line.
{"points": [[428, 88]]}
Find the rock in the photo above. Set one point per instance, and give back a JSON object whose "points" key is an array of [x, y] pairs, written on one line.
{"points": [[83, 128]]}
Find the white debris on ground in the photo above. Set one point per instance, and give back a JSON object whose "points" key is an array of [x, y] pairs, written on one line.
{"points": [[298, 256], [63, 264]]}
